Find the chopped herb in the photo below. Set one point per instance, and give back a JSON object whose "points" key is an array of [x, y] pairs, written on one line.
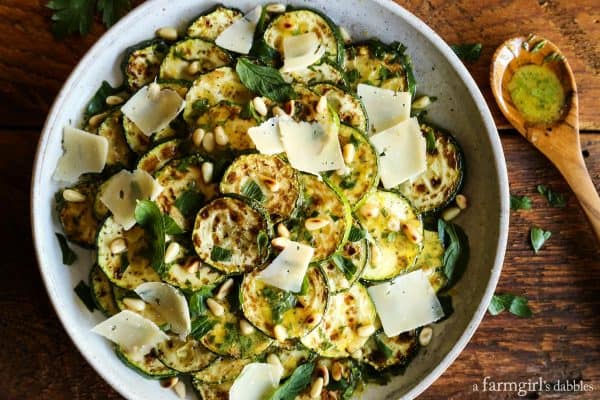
{"points": [[516, 305], [200, 106], [347, 385], [220, 254], [430, 138], [189, 202], [295, 384], [84, 293], [345, 265], [356, 234], [538, 46], [201, 326], [555, 199], [348, 182], [468, 52], [197, 299], [280, 301], [353, 75], [97, 103], [456, 250], [384, 73], [520, 202], [262, 241], [538, 237], [251, 190], [383, 348], [265, 81], [68, 255]]}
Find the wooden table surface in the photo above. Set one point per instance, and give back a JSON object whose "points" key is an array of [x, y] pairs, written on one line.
{"points": [[561, 341]]}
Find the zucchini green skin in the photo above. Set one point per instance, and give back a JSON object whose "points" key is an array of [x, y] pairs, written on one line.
{"points": [[437, 187], [337, 335], [222, 370], [184, 356], [137, 141], [102, 292], [211, 23], [232, 223], [148, 365], [431, 260], [255, 167], [260, 299], [181, 54], [378, 64], [402, 347], [158, 156], [350, 109], [119, 154], [78, 220], [392, 252], [322, 72], [357, 253], [141, 62]]}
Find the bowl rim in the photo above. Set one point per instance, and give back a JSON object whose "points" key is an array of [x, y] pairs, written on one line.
{"points": [[436, 41]]}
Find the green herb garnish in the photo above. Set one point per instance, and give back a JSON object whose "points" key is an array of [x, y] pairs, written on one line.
{"points": [[76, 16], [345, 265], [468, 52], [280, 301], [201, 326], [538, 237], [295, 384], [430, 139], [356, 234], [555, 199], [520, 202], [84, 293], [189, 202], [265, 81], [262, 241], [68, 255], [251, 190], [220, 254], [538, 46], [516, 305], [97, 103], [456, 250], [197, 299], [383, 348]]}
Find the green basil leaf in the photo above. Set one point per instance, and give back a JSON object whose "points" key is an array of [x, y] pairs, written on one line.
{"points": [[554, 199], [171, 227], [220, 254], [356, 234], [520, 308], [468, 51], [197, 299], [265, 81], [84, 293], [430, 139], [201, 326], [345, 265], [538, 237], [68, 255], [251, 190], [97, 103], [456, 250], [520, 202], [189, 202], [496, 306], [280, 301], [383, 348], [516, 305], [295, 384], [149, 217]]}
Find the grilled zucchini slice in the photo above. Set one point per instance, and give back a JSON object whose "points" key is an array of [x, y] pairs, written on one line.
{"points": [[222, 84], [145, 364], [119, 153], [344, 268], [137, 141], [302, 21], [377, 64], [383, 352], [227, 234], [392, 252], [149, 312], [266, 306], [184, 190], [291, 355], [214, 391], [305, 104], [184, 356], [77, 218], [205, 55], [337, 335], [179, 276], [102, 292], [438, 185], [235, 123], [322, 201], [212, 23], [220, 371], [349, 108], [431, 260], [363, 171], [126, 270], [160, 155], [248, 176], [141, 62], [317, 73]]}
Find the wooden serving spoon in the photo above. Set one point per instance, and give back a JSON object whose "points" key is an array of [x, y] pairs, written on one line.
{"points": [[558, 140]]}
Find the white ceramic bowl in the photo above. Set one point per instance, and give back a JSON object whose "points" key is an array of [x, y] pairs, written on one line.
{"points": [[460, 108]]}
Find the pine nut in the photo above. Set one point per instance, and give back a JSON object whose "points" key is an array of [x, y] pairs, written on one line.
{"points": [[276, 8], [348, 152], [221, 137], [172, 252], [270, 183], [193, 267], [260, 106], [193, 68], [167, 33], [224, 289], [357, 354], [366, 330], [134, 304], [278, 112], [461, 201], [421, 103], [313, 224], [322, 105], [197, 137], [412, 233], [450, 213], [246, 328], [283, 231], [370, 210], [337, 371], [393, 224], [168, 383], [95, 120], [280, 242], [345, 35], [207, 171], [275, 361], [280, 333], [114, 100], [208, 142], [73, 196], [118, 246], [215, 308], [316, 388], [363, 51], [180, 390], [323, 372], [425, 336], [153, 91], [289, 107]]}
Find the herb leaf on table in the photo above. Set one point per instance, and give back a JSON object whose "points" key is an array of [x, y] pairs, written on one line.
{"points": [[520, 202], [554, 199], [516, 305], [469, 52], [77, 16], [538, 237]]}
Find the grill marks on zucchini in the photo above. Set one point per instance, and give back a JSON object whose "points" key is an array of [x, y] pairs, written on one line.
{"points": [[262, 304], [233, 224], [344, 268], [349, 108], [119, 154], [78, 218], [102, 292], [211, 24], [160, 155], [382, 352], [431, 260], [235, 123], [178, 275], [184, 356], [316, 73], [258, 167], [149, 312], [141, 62], [222, 370], [147, 365], [206, 55], [438, 185]]}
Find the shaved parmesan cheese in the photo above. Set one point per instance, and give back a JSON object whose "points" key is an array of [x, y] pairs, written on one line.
{"points": [[122, 190], [170, 304], [131, 331], [84, 152], [255, 382], [310, 147], [402, 153], [406, 303], [288, 269], [152, 115], [385, 108], [266, 136], [240, 35], [301, 51]]}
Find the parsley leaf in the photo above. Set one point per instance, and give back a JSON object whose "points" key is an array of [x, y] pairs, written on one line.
{"points": [[68, 255], [113, 10], [265, 81], [295, 384], [554, 199], [84, 293], [251, 190], [538, 237], [220, 254], [71, 16], [516, 305], [189, 202], [468, 51], [456, 250], [520, 202]]}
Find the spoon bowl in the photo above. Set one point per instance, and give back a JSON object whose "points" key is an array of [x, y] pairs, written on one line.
{"points": [[556, 135]]}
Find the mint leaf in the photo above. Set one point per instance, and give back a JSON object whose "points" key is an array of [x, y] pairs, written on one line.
{"points": [[456, 250], [265, 81], [468, 51], [71, 16], [430, 139], [520, 202], [345, 265], [220, 254], [251, 190], [280, 301], [538, 237], [197, 299], [295, 384], [554, 199], [516, 305], [68, 255], [201, 326], [356, 234], [189, 202], [84, 293], [113, 10], [383, 348], [97, 103]]}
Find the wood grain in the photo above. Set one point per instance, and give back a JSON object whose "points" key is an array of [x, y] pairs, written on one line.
{"points": [[33, 65], [561, 341]]}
